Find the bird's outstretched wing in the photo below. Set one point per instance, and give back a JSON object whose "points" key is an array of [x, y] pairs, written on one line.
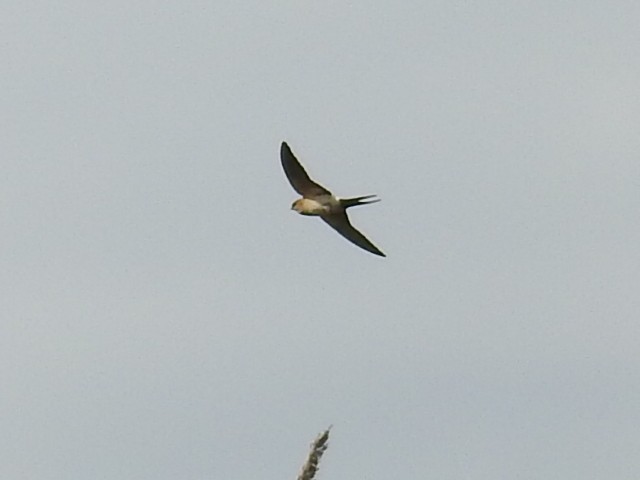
{"points": [[340, 223], [297, 176]]}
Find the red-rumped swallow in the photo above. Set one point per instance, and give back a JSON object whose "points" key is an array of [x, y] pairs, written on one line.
{"points": [[318, 201]]}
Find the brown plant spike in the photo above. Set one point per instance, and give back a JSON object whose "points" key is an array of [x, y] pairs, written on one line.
{"points": [[318, 447]]}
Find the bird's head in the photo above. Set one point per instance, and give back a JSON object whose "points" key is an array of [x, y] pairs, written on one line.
{"points": [[297, 205], [305, 206]]}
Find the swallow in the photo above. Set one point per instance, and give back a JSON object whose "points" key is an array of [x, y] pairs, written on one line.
{"points": [[318, 201]]}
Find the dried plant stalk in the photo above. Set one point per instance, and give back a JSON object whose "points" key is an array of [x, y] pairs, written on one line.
{"points": [[318, 447]]}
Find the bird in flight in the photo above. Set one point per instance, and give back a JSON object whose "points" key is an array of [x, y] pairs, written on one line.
{"points": [[318, 201]]}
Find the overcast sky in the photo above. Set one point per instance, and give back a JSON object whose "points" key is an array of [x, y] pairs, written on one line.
{"points": [[165, 315]]}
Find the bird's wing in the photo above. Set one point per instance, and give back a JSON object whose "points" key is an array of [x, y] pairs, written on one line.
{"points": [[298, 178], [340, 223]]}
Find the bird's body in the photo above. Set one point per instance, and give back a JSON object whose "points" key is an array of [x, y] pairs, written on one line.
{"points": [[318, 201], [318, 206]]}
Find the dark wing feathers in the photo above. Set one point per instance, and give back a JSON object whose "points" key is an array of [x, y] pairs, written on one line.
{"points": [[340, 223], [298, 177]]}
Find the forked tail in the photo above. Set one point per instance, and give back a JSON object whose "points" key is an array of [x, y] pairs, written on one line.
{"points": [[355, 201]]}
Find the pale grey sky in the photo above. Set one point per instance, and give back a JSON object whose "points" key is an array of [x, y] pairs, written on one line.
{"points": [[165, 315]]}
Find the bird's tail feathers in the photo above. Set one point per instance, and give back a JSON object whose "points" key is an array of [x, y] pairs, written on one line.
{"points": [[355, 201]]}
